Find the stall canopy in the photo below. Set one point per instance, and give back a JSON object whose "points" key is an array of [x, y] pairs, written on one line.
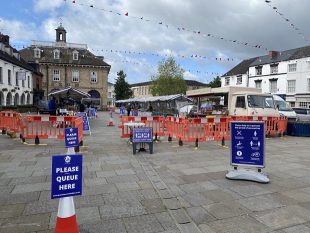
{"points": [[155, 99], [69, 92]]}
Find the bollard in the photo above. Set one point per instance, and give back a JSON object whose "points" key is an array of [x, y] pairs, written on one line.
{"points": [[180, 142], [37, 140], [169, 138], [223, 141]]}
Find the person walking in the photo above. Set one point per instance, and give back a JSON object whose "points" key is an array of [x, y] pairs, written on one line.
{"points": [[128, 109]]}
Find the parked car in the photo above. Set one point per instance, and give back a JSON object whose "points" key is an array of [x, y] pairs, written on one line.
{"points": [[303, 114]]}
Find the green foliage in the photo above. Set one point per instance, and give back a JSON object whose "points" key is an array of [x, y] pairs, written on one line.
{"points": [[216, 82], [169, 79], [121, 88]]}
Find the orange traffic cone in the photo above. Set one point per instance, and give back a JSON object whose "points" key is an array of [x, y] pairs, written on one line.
{"points": [[111, 122], [66, 218]]}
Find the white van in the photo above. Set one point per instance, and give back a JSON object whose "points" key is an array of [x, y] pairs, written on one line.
{"points": [[284, 109]]}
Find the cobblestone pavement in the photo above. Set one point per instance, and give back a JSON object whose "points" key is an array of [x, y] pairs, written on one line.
{"points": [[176, 189]]}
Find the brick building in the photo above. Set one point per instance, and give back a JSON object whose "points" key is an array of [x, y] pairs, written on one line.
{"points": [[68, 64]]}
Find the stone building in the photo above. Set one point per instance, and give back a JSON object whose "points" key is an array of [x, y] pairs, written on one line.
{"points": [[69, 64], [143, 89]]}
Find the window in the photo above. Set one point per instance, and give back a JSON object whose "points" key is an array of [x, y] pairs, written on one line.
{"points": [[291, 84], [240, 102], [239, 80], [110, 94], [227, 80], [28, 81], [37, 53], [75, 55], [56, 54], [93, 77], [258, 70], [304, 105], [9, 77], [56, 75], [273, 86], [23, 83], [274, 69], [1, 76], [292, 67], [75, 76], [16, 79], [258, 83], [308, 84]]}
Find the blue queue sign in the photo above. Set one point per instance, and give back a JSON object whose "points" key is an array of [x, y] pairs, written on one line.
{"points": [[71, 137], [142, 135], [66, 175], [248, 143]]}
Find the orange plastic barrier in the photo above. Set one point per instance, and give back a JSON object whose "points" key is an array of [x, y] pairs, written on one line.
{"points": [[157, 123], [10, 121], [45, 127]]}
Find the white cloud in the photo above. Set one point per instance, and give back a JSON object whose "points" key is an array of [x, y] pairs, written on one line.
{"points": [[47, 5], [249, 21]]}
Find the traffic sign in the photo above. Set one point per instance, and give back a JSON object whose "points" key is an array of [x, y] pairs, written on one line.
{"points": [[66, 175], [71, 137], [248, 144]]}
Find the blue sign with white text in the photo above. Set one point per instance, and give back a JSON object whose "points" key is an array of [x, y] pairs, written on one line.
{"points": [[71, 137], [86, 126], [66, 175], [92, 113], [248, 143], [142, 135]]}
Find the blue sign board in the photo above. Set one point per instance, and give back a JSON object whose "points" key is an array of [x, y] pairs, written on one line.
{"points": [[248, 143], [71, 137], [92, 113], [66, 175], [86, 126], [142, 135]]}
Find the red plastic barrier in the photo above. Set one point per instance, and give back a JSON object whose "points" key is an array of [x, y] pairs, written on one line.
{"points": [[46, 127], [10, 121]]}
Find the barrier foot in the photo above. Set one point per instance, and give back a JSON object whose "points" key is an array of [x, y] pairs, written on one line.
{"points": [[156, 139], [81, 143], [169, 138], [180, 142], [223, 141], [3, 131], [37, 140], [196, 144], [77, 149]]}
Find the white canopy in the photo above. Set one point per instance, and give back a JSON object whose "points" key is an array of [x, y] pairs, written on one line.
{"points": [[69, 92], [154, 98]]}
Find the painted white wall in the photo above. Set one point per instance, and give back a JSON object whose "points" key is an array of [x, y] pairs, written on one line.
{"points": [[233, 80], [19, 89]]}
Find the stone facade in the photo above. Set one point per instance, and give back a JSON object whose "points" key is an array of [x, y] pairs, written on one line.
{"points": [[67, 64]]}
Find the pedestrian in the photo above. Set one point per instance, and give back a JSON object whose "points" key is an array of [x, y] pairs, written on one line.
{"points": [[52, 106], [128, 109]]}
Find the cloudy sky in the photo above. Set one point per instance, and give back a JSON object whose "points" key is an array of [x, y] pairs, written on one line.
{"points": [[206, 37]]}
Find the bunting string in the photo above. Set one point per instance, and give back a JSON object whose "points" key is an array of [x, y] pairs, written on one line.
{"points": [[165, 25], [170, 54], [287, 20]]}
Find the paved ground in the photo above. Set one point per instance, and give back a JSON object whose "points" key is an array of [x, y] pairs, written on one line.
{"points": [[177, 189]]}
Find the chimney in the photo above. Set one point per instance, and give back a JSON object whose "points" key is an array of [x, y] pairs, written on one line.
{"points": [[5, 39], [273, 54]]}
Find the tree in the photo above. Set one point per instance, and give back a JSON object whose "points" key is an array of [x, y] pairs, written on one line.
{"points": [[216, 82], [122, 88], [169, 79]]}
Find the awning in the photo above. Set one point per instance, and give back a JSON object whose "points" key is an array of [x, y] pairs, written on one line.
{"points": [[69, 92], [154, 99]]}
